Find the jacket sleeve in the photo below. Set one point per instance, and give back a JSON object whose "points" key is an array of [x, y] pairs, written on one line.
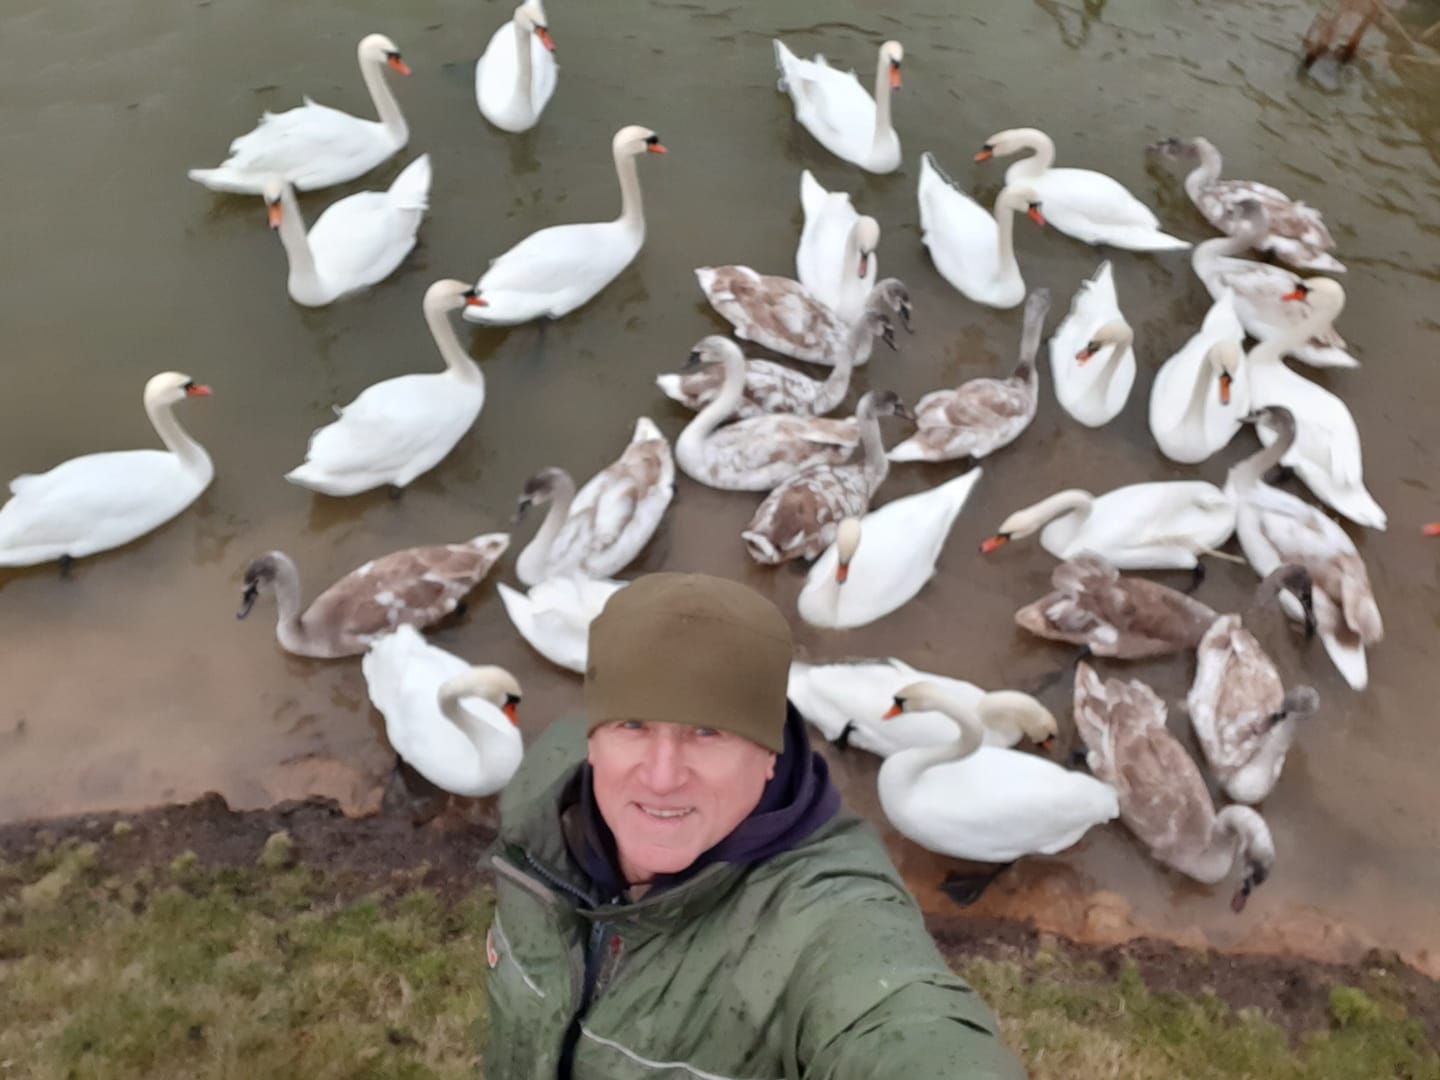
{"points": [[871, 997]]}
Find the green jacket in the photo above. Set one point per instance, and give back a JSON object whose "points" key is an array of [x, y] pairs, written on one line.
{"points": [[814, 963]]}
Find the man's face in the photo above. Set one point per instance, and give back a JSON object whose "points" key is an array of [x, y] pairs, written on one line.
{"points": [[671, 791]]}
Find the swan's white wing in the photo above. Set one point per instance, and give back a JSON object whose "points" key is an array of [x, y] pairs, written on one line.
{"points": [[1084, 195], [309, 145], [961, 235], [95, 502], [545, 261], [391, 424], [360, 239]]}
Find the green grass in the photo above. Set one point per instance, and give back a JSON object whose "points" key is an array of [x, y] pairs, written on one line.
{"points": [[188, 971]]}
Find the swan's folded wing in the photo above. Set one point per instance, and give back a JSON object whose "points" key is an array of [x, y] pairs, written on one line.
{"points": [[1092, 196], [544, 261], [983, 402], [362, 234], [384, 428], [300, 142]]}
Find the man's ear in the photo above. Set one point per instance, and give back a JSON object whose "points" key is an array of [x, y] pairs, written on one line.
{"points": [[770, 767]]}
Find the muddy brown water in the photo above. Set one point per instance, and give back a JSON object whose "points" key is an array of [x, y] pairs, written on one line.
{"points": [[132, 683]]}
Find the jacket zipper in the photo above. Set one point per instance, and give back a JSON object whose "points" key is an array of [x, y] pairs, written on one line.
{"points": [[594, 958]]}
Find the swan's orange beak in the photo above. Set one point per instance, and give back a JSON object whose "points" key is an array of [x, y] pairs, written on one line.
{"points": [[1225, 381], [275, 215], [864, 264], [842, 573], [1433, 529], [894, 75], [399, 65], [195, 390], [511, 710], [999, 540], [894, 711], [986, 153], [656, 148], [1085, 355], [545, 38], [1035, 215], [1298, 294], [1046, 744], [476, 301]]}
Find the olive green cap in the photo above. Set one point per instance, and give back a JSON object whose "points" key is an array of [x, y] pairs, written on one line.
{"points": [[691, 649]]}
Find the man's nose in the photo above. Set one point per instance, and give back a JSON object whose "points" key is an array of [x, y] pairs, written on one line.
{"points": [[664, 766]]}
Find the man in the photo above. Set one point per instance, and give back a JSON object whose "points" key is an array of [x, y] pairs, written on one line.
{"points": [[676, 893]]}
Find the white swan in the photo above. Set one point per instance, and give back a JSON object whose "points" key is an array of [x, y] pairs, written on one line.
{"points": [[1276, 528], [1260, 290], [315, 146], [101, 501], [600, 531], [970, 801], [778, 313], [973, 250], [981, 415], [1092, 355], [1198, 396], [1082, 203], [1326, 453], [419, 586], [1296, 232], [515, 76], [878, 563], [834, 107], [356, 242], [554, 617], [421, 690], [775, 388], [554, 271], [835, 259], [760, 452], [1163, 798], [798, 519], [1157, 526], [845, 702], [399, 428], [1241, 714]]}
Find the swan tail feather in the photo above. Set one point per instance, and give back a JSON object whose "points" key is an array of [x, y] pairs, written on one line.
{"points": [[411, 189]]}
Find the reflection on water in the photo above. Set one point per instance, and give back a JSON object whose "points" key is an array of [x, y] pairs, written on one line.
{"points": [[133, 683]]}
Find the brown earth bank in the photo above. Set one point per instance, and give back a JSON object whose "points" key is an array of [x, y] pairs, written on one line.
{"points": [[391, 852]]}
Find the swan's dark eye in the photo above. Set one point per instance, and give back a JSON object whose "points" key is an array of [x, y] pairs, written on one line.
{"points": [[512, 699], [653, 140], [189, 385]]}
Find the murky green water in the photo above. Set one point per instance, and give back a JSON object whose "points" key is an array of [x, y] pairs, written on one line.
{"points": [[132, 683]]}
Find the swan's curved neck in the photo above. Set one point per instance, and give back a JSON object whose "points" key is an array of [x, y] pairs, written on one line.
{"points": [[632, 211], [1204, 174], [875, 464], [385, 104], [193, 458], [1252, 470], [457, 360], [480, 733], [1057, 505], [304, 279], [562, 495], [722, 406], [523, 73], [290, 629], [1237, 831], [1004, 214], [970, 736], [1037, 163], [883, 129]]}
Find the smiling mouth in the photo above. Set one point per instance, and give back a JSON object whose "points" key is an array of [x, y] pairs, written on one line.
{"points": [[661, 813]]}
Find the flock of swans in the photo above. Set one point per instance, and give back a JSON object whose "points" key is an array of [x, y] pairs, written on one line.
{"points": [[950, 779]]}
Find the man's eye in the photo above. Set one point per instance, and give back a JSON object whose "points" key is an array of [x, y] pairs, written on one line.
{"points": [[706, 732], [632, 725]]}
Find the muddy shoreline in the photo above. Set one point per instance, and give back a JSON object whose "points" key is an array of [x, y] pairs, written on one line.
{"points": [[390, 853]]}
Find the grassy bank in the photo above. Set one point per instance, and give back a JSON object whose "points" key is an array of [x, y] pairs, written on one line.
{"points": [[282, 966]]}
